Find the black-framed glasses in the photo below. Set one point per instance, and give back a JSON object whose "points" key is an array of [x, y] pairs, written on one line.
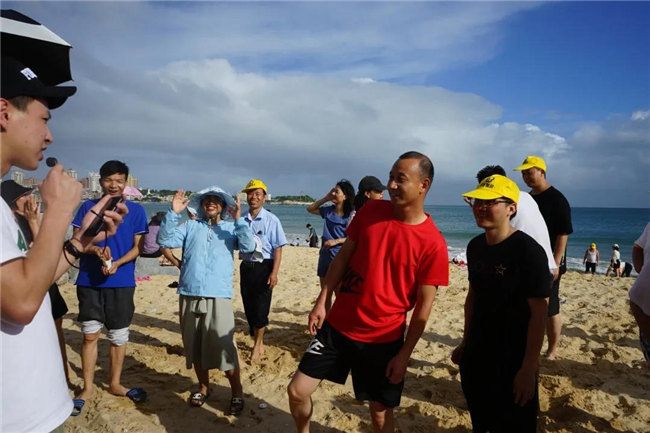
{"points": [[485, 203]]}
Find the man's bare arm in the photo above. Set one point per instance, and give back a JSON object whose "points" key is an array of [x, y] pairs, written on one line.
{"points": [[332, 280], [396, 368], [277, 260], [637, 257]]}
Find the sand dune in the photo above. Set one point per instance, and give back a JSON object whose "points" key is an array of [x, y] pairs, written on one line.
{"points": [[598, 384]]}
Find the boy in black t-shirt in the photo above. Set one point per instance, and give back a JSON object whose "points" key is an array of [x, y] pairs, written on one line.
{"points": [[505, 314]]}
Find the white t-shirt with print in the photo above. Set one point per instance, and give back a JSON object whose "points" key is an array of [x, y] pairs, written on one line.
{"points": [[34, 392], [640, 291]]}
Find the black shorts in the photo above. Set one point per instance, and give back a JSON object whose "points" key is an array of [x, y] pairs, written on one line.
{"points": [[331, 355], [255, 293], [59, 307], [112, 306], [554, 298], [590, 267]]}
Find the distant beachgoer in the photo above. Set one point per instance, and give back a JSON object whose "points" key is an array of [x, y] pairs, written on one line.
{"points": [[337, 218], [591, 259], [312, 237], [259, 271], [615, 261], [556, 211], [150, 247], [370, 188], [205, 285], [364, 332], [106, 288], [640, 291], [626, 269], [26, 211], [505, 315]]}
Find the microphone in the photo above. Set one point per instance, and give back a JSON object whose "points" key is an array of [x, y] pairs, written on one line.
{"points": [[51, 161]]}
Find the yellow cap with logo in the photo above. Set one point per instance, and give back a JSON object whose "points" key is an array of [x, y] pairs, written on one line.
{"points": [[254, 184], [494, 187], [532, 161]]}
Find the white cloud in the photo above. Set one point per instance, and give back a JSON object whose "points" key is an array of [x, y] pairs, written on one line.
{"points": [[193, 94]]}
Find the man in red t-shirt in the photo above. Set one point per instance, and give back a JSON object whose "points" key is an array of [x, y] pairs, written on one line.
{"points": [[392, 261]]}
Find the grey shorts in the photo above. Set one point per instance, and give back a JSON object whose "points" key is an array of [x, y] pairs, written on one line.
{"points": [[208, 331]]}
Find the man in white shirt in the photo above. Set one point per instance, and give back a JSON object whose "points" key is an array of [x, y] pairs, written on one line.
{"points": [[34, 391]]}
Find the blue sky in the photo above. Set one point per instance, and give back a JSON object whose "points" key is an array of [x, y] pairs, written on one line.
{"points": [[302, 94]]}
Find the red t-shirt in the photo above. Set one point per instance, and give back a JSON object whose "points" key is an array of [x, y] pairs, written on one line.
{"points": [[392, 259]]}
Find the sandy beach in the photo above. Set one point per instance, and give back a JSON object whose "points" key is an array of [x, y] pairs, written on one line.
{"points": [[598, 384]]}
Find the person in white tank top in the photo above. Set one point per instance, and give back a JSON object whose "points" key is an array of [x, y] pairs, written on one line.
{"points": [[591, 259]]}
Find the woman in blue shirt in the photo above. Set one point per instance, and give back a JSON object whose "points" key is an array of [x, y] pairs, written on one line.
{"points": [[337, 217], [205, 284]]}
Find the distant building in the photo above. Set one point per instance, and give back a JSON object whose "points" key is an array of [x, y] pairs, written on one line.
{"points": [[85, 183], [30, 182], [93, 182], [132, 181], [18, 177]]}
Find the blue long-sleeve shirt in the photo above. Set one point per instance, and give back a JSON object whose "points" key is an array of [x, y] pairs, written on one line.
{"points": [[208, 262]]}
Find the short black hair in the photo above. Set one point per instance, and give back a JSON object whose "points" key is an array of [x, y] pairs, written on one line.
{"points": [[114, 167], [308, 225], [21, 102], [426, 166], [489, 170]]}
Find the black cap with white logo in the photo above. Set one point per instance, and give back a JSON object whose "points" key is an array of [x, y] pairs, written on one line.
{"points": [[20, 80]]}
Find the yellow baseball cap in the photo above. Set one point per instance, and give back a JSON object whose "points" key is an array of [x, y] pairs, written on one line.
{"points": [[494, 187], [532, 161], [593, 246], [254, 184]]}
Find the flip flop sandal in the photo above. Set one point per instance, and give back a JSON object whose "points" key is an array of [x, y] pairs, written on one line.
{"points": [[197, 399], [77, 406], [137, 395], [236, 406]]}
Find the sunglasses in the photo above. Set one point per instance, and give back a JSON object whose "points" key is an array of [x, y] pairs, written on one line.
{"points": [[477, 202]]}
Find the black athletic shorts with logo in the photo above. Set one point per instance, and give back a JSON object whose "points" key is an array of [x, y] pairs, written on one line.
{"points": [[331, 355]]}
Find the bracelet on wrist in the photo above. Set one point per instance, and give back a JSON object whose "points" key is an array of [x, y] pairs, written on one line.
{"points": [[71, 249]]}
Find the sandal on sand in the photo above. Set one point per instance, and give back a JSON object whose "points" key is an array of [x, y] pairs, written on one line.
{"points": [[197, 399], [236, 406], [137, 395], [77, 406]]}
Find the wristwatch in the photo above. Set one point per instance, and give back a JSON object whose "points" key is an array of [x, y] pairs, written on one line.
{"points": [[71, 249]]}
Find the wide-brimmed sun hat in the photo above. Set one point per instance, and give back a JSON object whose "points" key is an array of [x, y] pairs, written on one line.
{"points": [[195, 207]]}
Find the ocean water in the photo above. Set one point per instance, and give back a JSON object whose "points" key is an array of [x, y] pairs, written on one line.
{"points": [[604, 226]]}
